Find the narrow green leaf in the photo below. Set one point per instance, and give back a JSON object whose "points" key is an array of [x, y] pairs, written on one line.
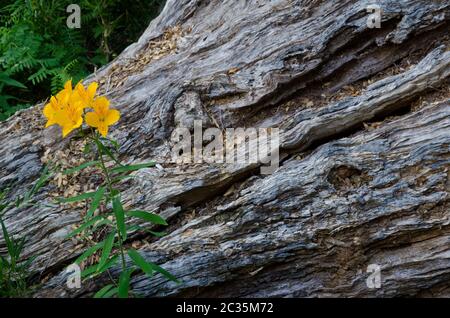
{"points": [[7, 238], [81, 197], [157, 234], [136, 228], [86, 225], [112, 141], [18, 247], [111, 293], [124, 283], [120, 217], [87, 148], [90, 251], [121, 178], [147, 216], [110, 263], [28, 262], [89, 271], [102, 292], [162, 271], [140, 262], [106, 151], [107, 248], [10, 82], [80, 167], [95, 202], [129, 168], [43, 178], [101, 223], [94, 270]]}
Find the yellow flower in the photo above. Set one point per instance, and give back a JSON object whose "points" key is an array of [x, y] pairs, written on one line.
{"points": [[102, 116], [50, 110], [56, 104], [87, 95], [70, 116], [68, 86]]}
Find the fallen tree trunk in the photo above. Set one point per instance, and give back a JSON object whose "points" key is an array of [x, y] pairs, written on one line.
{"points": [[365, 142]]}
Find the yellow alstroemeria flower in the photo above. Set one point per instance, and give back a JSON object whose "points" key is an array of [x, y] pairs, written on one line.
{"points": [[70, 116], [68, 86], [87, 95], [57, 103], [102, 117], [50, 111]]}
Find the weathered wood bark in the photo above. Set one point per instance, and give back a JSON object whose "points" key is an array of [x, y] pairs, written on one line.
{"points": [[364, 177]]}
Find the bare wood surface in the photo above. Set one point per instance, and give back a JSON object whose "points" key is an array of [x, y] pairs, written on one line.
{"points": [[364, 116]]}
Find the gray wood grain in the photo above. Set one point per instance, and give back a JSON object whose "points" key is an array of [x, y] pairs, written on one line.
{"points": [[343, 197]]}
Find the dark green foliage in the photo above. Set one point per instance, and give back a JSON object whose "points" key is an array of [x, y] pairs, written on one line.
{"points": [[38, 52], [14, 270]]}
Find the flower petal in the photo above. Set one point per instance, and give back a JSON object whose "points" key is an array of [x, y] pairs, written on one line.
{"points": [[48, 111], [79, 122], [92, 89], [103, 130], [92, 119], [101, 105], [63, 98], [112, 117], [68, 85], [62, 118], [66, 130]]}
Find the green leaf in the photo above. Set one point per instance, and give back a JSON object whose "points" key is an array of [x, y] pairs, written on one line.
{"points": [[149, 267], [140, 262], [43, 178], [136, 228], [87, 149], [89, 271], [95, 202], [86, 225], [10, 82], [147, 216], [111, 293], [121, 178], [95, 270], [81, 197], [124, 283], [101, 223], [89, 252], [165, 273], [7, 238], [157, 234], [80, 167], [107, 248], [111, 262], [106, 151], [120, 217], [129, 168], [112, 141], [102, 292]]}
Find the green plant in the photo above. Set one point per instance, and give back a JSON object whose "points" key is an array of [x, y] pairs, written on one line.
{"points": [[68, 110], [6, 109], [13, 274], [14, 270], [113, 223], [39, 51]]}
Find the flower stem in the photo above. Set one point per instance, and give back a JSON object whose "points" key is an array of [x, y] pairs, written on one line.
{"points": [[110, 188]]}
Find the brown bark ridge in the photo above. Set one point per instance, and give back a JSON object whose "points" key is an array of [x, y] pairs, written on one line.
{"points": [[365, 152]]}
